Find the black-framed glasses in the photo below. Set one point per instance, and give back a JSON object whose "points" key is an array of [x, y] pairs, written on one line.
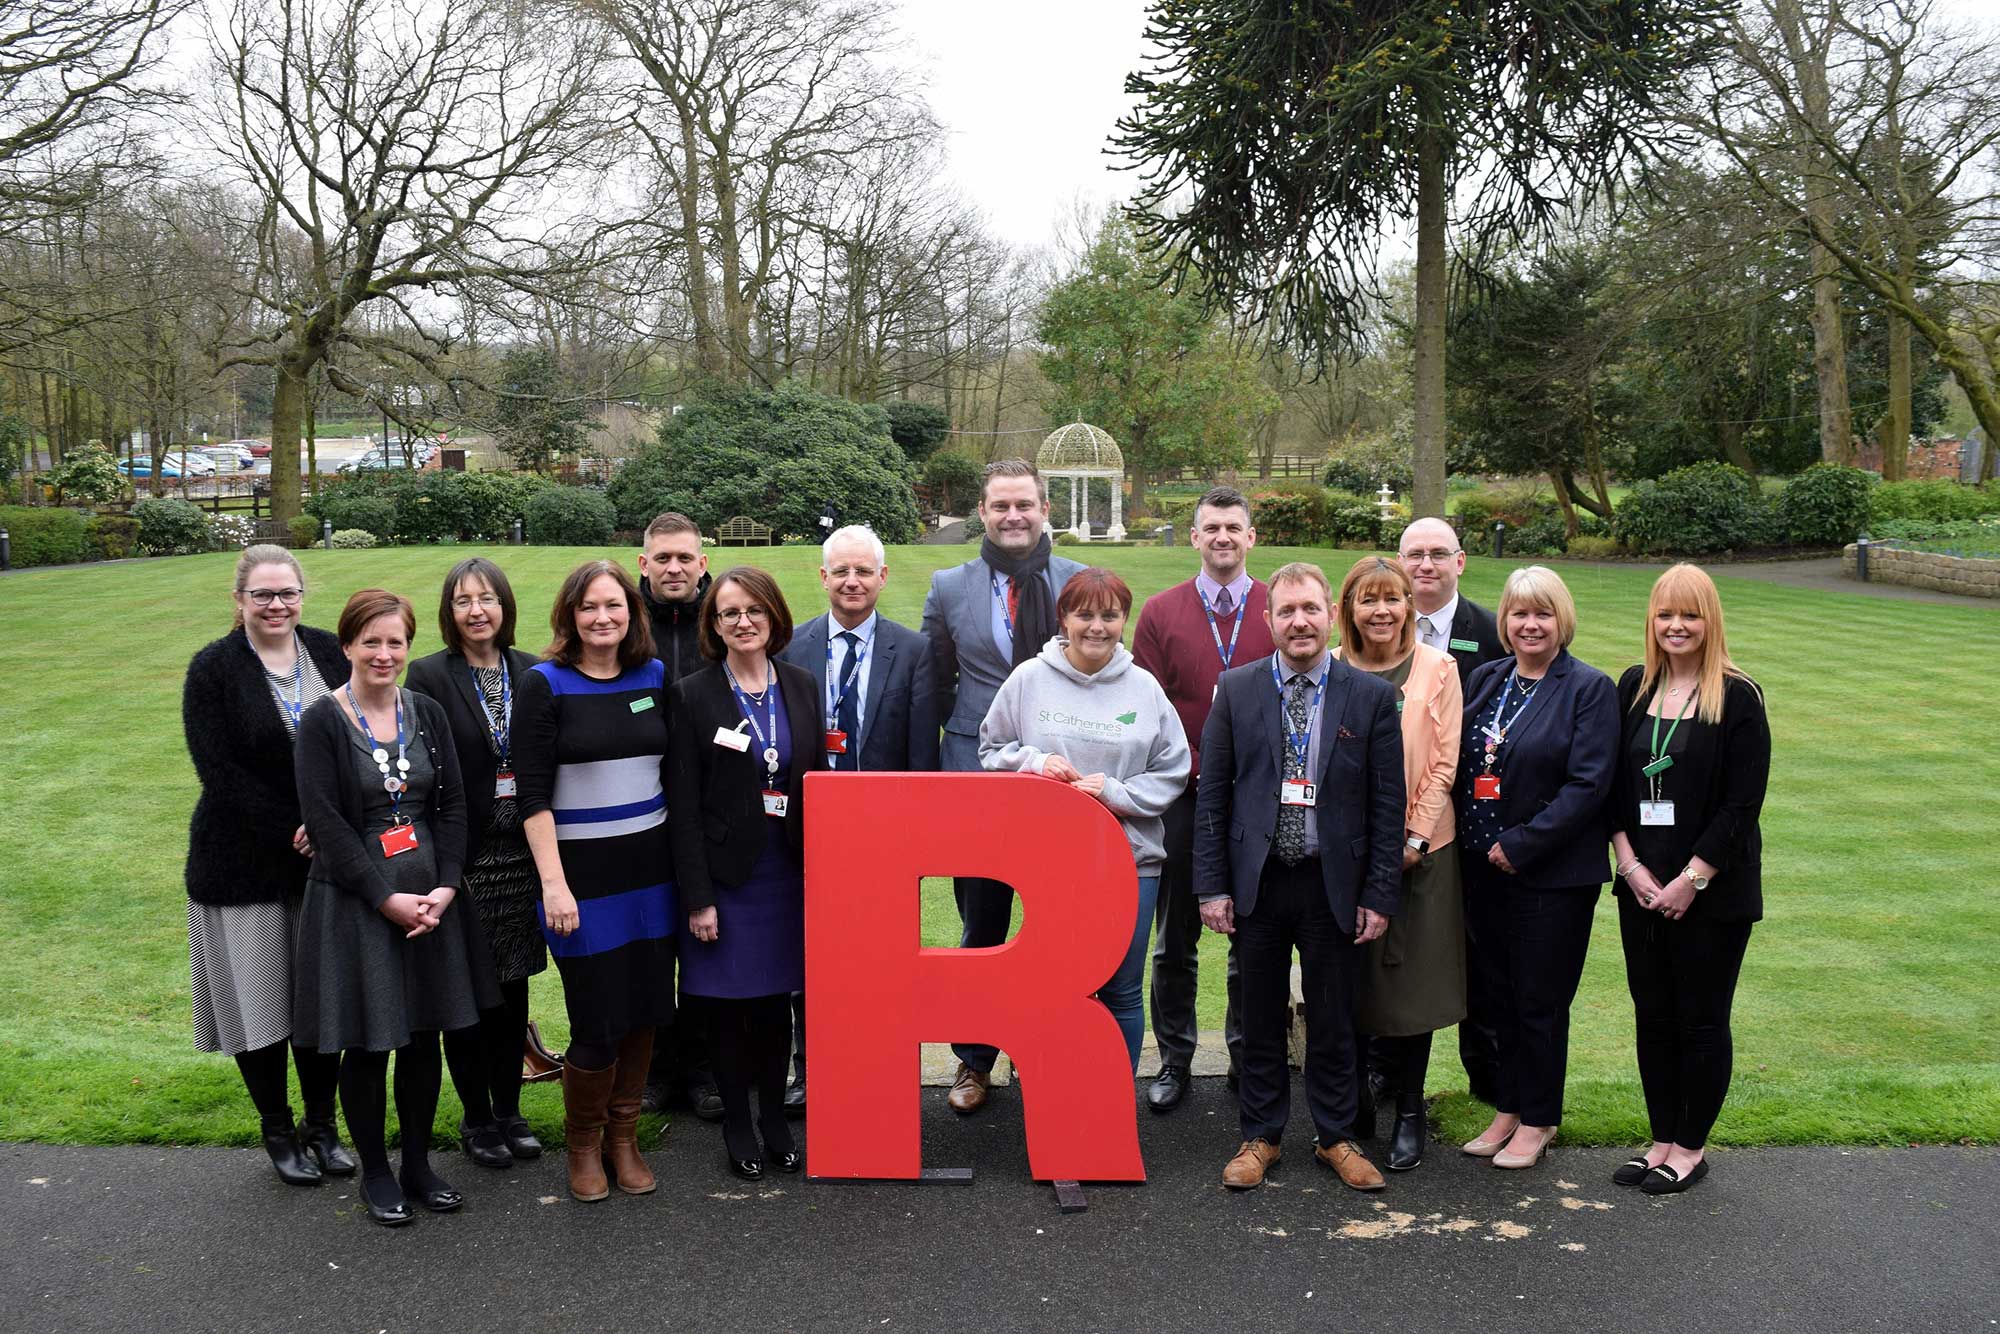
{"points": [[731, 615], [264, 597]]}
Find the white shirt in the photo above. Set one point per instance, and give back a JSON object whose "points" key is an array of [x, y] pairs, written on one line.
{"points": [[865, 632], [1439, 637]]}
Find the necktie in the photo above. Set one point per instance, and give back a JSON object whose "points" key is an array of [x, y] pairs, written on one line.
{"points": [[848, 717], [1224, 604], [1427, 631], [1291, 840]]}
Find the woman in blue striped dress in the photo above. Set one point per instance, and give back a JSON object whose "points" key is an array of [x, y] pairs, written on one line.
{"points": [[590, 750]]}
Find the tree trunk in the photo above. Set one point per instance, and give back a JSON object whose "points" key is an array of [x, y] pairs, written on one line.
{"points": [[287, 415], [707, 353], [1894, 429], [312, 443], [1427, 499], [729, 248], [1570, 524]]}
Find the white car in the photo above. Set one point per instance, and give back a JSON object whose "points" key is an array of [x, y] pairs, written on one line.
{"points": [[228, 458]]}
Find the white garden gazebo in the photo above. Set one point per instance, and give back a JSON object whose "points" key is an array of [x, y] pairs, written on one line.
{"points": [[1080, 451]]}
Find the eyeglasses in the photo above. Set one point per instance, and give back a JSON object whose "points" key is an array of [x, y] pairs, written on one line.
{"points": [[1436, 555], [490, 601], [731, 615], [264, 597]]}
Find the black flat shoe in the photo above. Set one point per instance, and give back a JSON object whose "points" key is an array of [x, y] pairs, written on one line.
{"points": [[1632, 1171], [520, 1140], [439, 1197], [1168, 1088], [1406, 1143], [393, 1212], [791, 1160], [706, 1100], [1663, 1180], [750, 1169], [321, 1141], [485, 1145], [294, 1165]]}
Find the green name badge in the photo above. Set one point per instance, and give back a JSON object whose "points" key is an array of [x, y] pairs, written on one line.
{"points": [[643, 703], [1399, 706], [1659, 766], [1464, 646]]}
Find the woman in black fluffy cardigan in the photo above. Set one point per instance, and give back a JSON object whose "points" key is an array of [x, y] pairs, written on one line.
{"points": [[247, 854]]}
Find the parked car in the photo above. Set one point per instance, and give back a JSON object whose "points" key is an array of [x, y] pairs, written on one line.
{"points": [[174, 465], [374, 460], [229, 458], [257, 449]]}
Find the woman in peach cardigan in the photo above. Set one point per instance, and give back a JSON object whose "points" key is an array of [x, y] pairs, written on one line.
{"points": [[1414, 980]]}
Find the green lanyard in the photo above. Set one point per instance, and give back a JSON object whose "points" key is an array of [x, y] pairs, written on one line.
{"points": [[1661, 761]]}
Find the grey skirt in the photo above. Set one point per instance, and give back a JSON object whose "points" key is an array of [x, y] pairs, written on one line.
{"points": [[240, 973], [1413, 980]]}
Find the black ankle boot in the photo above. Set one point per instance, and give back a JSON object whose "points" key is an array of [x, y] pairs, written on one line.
{"points": [[294, 1166], [319, 1138], [1406, 1144]]}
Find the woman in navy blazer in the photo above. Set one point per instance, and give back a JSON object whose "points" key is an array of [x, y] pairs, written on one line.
{"points": [[1537, 758]]}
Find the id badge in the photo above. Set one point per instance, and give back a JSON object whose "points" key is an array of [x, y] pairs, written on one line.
{"points": [[1298, 792], [836, 741], [776, 803], [398, 839], [731, 740], [1486, 787], [1656, 813], [503, 783]]}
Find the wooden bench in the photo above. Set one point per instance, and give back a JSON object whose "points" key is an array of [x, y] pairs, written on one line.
{"points": [[743, 531]]}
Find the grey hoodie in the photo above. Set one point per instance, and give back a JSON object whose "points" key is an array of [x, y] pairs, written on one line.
{"points": [[1117, 722]]}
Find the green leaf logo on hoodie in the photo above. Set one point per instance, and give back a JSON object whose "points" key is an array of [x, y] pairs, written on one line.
{"points": [[1129, 718]]}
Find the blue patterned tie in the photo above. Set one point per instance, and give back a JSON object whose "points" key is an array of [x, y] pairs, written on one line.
{"points": [[1291, 841], [848, 718]]}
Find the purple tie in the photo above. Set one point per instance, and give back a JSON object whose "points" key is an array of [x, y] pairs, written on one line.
{"points": [[1224, 604]]}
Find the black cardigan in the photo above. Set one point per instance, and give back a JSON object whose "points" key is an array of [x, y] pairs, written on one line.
{"points": [[715, 802], [1717, 786], [445, 678], [240, 836], [331, 796]]}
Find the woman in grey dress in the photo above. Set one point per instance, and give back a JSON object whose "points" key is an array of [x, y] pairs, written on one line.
{"points": [[386, 961], [246, 862]]}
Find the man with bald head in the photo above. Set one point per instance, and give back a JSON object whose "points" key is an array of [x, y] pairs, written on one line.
{"points": [[1433, 559]]}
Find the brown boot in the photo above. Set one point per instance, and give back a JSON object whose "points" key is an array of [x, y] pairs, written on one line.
{"points": [[621, 1133], [585, 1093]]}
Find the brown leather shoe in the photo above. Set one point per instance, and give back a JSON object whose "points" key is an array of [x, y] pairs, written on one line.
{"points": [[585, 1095], [621, 1131], [1351, 1164], [968, 1091], [1246, 1170]]}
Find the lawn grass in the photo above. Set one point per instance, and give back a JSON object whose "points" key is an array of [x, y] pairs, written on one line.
{"points": [[1866, 1014]]}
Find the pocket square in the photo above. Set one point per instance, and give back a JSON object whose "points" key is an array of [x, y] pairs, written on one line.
{"points": [[1346, 735]]}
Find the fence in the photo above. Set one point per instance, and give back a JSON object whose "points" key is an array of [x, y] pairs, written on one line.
{"points": [[1282, 466]]}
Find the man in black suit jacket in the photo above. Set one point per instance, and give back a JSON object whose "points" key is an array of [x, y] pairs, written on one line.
{"points": [[1432, 557], [877, 683], [1299, 842]]}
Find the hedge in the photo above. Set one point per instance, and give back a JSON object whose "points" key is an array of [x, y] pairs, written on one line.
{"points": [[570, 516], [1700, 508], [1827, 505], [45, 535], [428, 506], [170, 526], [1936, 499]]}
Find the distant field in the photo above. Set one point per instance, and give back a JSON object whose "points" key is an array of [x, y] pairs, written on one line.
{"points": [[1867, 1011]]}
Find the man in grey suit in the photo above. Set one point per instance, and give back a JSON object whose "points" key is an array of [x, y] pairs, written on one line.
{"points": [[983, 619], [880, 692], [1298, 841]]}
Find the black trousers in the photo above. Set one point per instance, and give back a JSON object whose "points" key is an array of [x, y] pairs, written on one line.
{"points": [[1177, 950], [1479, 1031], [1532, 944], [681, 1052], [1682, 976], [1292, 912], [986, 908]]}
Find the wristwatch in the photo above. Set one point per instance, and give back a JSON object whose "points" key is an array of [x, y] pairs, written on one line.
{"points": [[1700, 882], [1421, 846]]}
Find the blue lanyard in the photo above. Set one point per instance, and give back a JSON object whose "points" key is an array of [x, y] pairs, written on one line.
{"points": [[1007, 615], [836, 691], [502, 728], [1497, 738], [1228, 654], [296, 705], [392, 785], [770, 743], [1299, 743]]}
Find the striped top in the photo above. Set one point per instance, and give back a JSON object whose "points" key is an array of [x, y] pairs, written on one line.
{"points": [[592, 754]]}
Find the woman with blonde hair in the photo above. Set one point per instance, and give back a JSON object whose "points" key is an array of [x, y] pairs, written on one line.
{"points": [[1536, 755], [1414, 982], [1693, 761]]}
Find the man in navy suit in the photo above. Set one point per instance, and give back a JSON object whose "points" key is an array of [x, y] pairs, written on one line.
{"points": [[878, 685], [1299, 842], [983, 619]]}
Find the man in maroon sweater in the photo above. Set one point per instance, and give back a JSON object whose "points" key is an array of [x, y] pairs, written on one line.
{"points": [[1187, 636]]}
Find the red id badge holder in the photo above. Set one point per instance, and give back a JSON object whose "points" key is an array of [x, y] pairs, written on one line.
{"points": [[1486, 787], [836, 741], [398, 839]]}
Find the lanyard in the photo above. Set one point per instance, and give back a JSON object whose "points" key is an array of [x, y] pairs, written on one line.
{"points": [[395, 784], [1298, 743], [1654, 768], [501, 729], [1496, 732], [836, 691], [296, 705], [1228, 654], [743, 702], [1006, 614]]}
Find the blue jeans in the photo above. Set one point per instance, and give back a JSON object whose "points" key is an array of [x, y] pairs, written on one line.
{"points": [[1125, 993]]}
